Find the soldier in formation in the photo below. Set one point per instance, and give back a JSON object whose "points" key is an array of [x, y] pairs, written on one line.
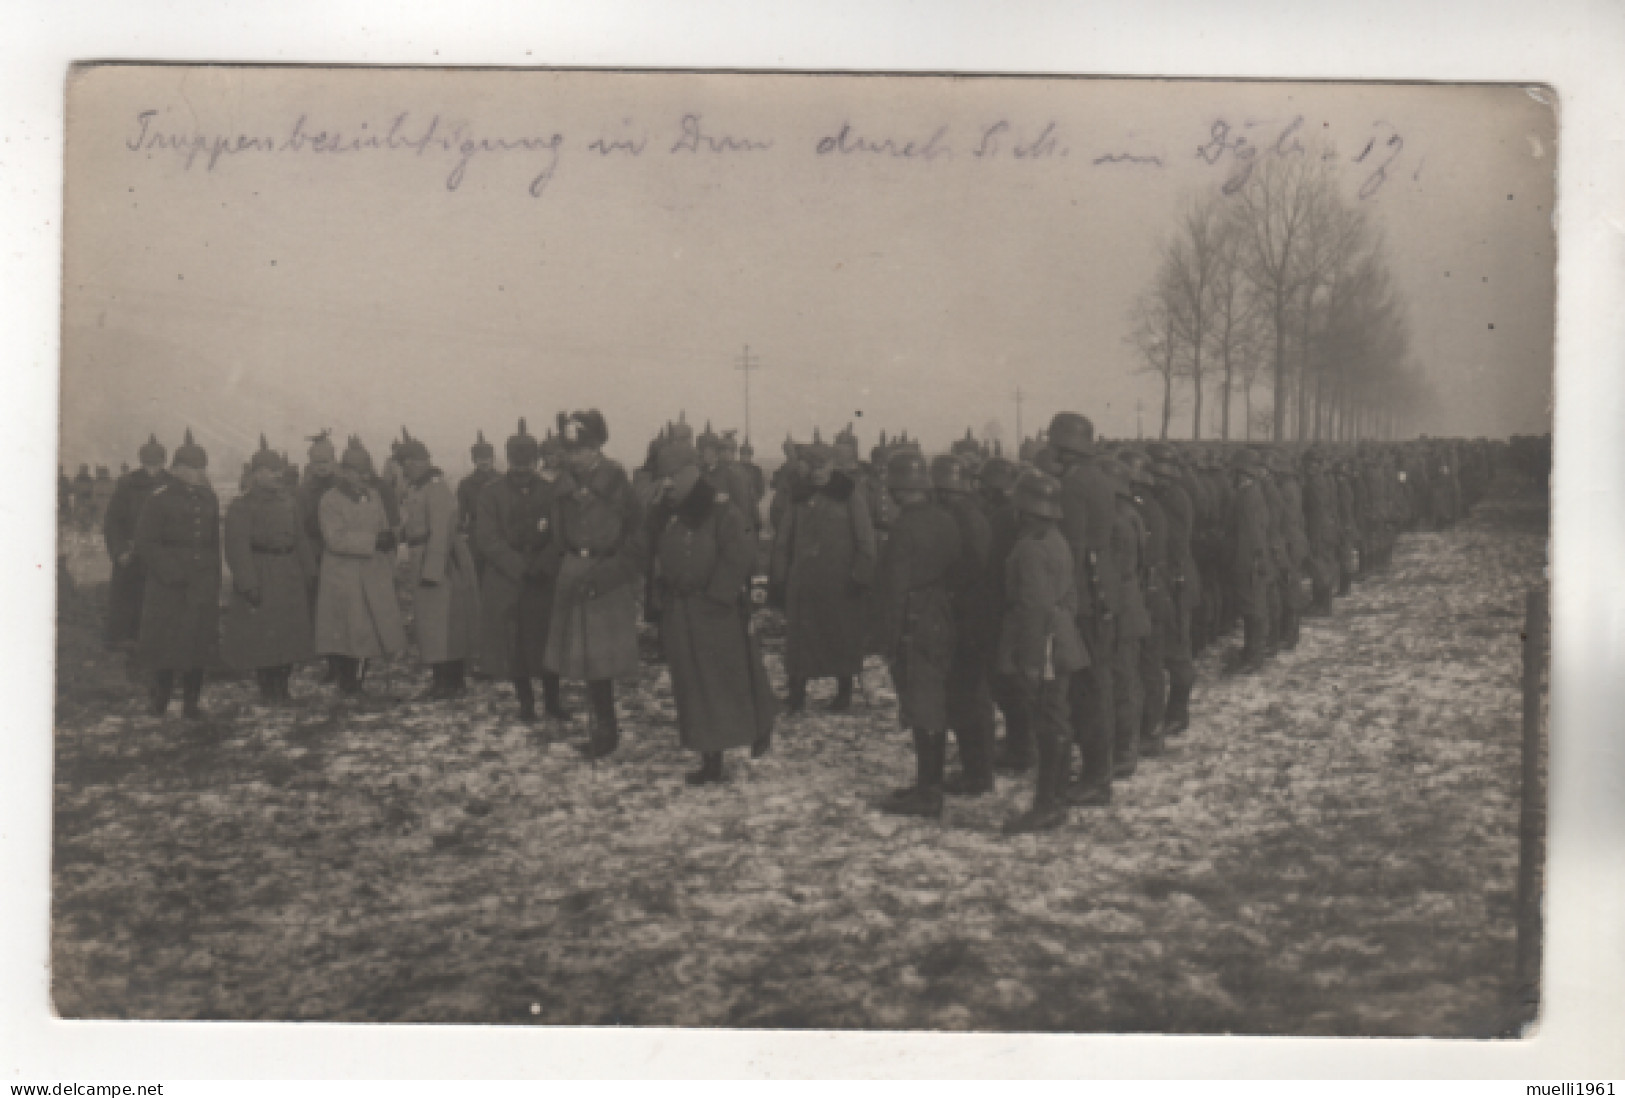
{"points": [[267, 627], [1069, 592]]}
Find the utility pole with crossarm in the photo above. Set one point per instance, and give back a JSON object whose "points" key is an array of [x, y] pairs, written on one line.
{"points": [[745, 365]]}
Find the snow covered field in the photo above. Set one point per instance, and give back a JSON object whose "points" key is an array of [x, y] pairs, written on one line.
{"points": [[1331, 849]]}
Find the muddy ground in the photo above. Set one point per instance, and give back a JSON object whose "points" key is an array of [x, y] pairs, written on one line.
{"points": [[1332, 849]]}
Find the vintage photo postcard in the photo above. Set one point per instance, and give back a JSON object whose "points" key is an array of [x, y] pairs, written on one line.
{"points": [[794, 551]]}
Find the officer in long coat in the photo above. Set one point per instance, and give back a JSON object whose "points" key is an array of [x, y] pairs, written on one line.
{"points": [[118, 532], [468, 494], [705, 555], [1251, 558], [1133, 621], [996, 481], [1183, 588], [446, 588], [1321, 529], [914, 624], [1088, 515], [976, 630], [357, 617], [267, 627], [514, 532], [823, 566], [1154, 571], [177, 537], [1040, 649], [598, 534], [1294, 599]]}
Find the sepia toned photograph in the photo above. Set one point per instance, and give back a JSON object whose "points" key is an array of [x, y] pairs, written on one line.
{"points": [[803, 551]]}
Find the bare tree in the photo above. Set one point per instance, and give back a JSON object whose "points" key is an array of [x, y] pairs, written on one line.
{"points": [[1154, 334], [1235, 332], [1276, 206], [1192, 264]]}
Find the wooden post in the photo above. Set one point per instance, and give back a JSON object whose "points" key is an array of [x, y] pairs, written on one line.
{"points": [[1531, 824]]}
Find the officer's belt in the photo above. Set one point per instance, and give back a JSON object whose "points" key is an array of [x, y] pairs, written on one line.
{"points": [[271, 552]]}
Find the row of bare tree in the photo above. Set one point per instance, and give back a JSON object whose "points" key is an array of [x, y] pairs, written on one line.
{"points": [[1283, 282]]}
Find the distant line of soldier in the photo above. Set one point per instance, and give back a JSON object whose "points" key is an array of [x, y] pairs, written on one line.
{"points": [[1069, 589]]}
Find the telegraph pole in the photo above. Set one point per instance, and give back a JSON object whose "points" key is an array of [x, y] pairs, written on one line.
{"points": [[745, 364], [1020, 438], [1139, 430]]}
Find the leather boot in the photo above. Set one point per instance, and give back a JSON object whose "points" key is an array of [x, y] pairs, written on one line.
{"points": [[843, 695], [796, 699], [1093, 789], [527, 698], [163, 686], [925, 799], [606, 730], [975, 775], [456, 685], [191, 692], [710, 771], [266, 678], [553, 698], [349, 683], [330, 673], [284, 676], [1048, 811], [763, 744]]}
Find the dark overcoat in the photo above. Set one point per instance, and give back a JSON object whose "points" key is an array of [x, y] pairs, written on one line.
{"points": [[1182, 582], [913, 622], [1250, 554], [704, 559], [1154, 569], [824, 555], [601, 544], [129, 573], [1088, 510], [1128, 542], [468, 507], [1039, 632], [513, 530], [267, 621], [440, 568], [178, 539]]}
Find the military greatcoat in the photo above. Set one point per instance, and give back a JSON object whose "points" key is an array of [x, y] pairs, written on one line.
{"points": [[824, 556], [913, 611], [445, 589], [1250, 553], [513, 530], [178, 540], [129, 573], [705, 555], [356, 611], [267, 622], [600, 542]]}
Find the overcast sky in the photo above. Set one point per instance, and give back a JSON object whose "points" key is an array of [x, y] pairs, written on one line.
{"points": [[272, 279]]}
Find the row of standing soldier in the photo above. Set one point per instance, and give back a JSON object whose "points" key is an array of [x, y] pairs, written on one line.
{"points": [[534, 571], [950, 570], [1074, 595]]}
